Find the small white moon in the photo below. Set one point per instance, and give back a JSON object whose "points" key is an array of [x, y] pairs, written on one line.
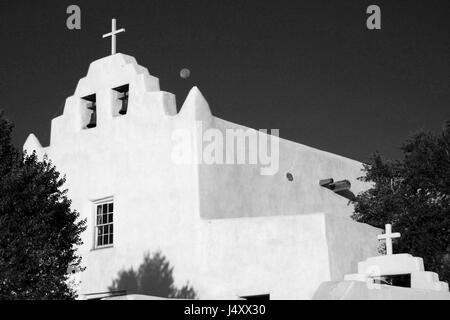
{"points": [[185, 73]]}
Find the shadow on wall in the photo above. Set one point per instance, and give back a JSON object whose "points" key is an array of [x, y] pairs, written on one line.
{"points": [[153, 277]]}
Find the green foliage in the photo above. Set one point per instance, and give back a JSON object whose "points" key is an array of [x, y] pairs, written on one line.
{"points": [[153, 277], [413, 194], [38, 230]]}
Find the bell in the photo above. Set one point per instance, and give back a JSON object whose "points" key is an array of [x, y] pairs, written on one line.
{"points": [[124, 99], [93, 121]]}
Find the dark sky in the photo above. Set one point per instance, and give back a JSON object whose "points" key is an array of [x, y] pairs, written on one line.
{"points": [[310, 68]]}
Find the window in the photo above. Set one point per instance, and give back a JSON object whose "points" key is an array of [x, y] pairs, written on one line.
{"points": [[104, 224], [257, 297], [398, 280]]}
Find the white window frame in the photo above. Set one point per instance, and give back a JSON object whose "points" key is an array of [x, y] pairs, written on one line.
{"points": [[108, 224]]}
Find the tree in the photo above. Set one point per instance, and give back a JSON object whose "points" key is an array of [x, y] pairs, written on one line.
{"points": [[413, 194], [38, 230], [153, 277]]}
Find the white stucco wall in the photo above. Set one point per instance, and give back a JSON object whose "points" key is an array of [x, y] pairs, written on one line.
{"points": [[285, 256], [226, 229], [240, 190]]}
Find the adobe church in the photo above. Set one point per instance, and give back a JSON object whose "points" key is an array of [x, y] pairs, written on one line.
{"points": [[226, 228]]}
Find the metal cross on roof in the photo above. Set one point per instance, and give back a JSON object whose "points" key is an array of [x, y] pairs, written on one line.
{"points": [[112, 34], [388, 236]]}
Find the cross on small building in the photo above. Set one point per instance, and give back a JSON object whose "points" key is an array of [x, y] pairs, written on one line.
{"points": [[388, 236], [112, 34]]}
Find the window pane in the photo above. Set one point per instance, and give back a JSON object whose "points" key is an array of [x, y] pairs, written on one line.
{"points": [[104, 223]]}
